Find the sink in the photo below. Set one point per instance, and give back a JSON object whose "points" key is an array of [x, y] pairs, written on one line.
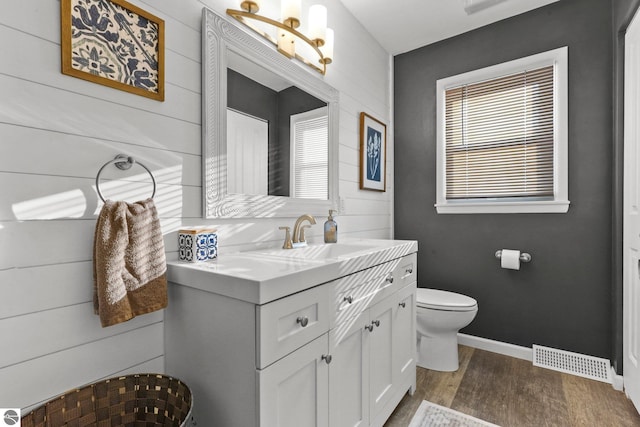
{"points": [[321, 252]]}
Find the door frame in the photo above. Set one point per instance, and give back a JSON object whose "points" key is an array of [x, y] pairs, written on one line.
{"points": [[622, 19], [630, 240]]}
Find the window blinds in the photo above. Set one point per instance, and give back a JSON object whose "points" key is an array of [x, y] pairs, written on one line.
{"points": [[500, 137], [311, 158]]}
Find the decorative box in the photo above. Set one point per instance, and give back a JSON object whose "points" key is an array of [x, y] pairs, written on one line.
{"points": [[197, 244]]}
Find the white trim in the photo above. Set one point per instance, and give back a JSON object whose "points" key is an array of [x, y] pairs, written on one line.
{"points": [[547, 206], [391, 144], [630, 219], [519, 352], [617, 381], [560, 203]]}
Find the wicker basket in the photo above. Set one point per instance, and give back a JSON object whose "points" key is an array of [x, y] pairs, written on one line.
{"points": [[139, 400]]}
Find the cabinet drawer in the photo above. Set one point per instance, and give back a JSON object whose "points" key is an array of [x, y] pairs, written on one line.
{"points": [[356, 299], [289, 323], [406, 271], [361, 290], [358, 279]]}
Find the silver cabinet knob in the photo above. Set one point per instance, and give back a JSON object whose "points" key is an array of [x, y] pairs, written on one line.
{"points": [[303, 321], [376, 323], [369, 328], [327, 358], [348, 299], [409, 270], [389, 278], [403, 304]]}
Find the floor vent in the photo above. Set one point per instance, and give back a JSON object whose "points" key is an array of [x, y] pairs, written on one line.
{"points": [[572, 363]]}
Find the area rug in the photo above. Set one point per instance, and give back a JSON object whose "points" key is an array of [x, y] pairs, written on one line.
{"points": [[430, 415]]}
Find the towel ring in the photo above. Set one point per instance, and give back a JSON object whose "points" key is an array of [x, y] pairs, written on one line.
{"points": [[123, 162]]}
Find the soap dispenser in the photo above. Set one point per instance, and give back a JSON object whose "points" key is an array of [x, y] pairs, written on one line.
{"points": [[330, 229]]}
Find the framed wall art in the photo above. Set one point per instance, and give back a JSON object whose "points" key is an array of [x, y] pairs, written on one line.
{"points": [[373, 153], [113, 43]]}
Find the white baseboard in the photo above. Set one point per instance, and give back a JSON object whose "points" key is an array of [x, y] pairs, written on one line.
{"points": [[499, 347], [517, 351], [617, 380]]}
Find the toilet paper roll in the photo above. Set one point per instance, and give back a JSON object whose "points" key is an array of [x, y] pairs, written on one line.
{"points": [[510, 259]]}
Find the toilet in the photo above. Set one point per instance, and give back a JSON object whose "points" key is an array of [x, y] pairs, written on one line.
{"points": [[440, 314]]}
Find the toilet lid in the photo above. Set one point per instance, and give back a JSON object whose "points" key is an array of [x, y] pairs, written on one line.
{"points": [[444, 300]]}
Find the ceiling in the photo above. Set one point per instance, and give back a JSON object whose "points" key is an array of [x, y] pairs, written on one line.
{"points": [[404, 25]]}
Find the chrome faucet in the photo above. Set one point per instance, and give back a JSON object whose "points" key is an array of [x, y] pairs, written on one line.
{"points": [[298, 231]]}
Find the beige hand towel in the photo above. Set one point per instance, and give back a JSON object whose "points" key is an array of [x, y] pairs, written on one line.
{"points": [[129, 262]]}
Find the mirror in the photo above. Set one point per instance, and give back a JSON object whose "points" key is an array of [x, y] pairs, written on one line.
{"points": [[269, 132], [269, 121]]}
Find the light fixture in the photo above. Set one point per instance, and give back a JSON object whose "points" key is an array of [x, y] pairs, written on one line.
{"points": [[320, 38]]}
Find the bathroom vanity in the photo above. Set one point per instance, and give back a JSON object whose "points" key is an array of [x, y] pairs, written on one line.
{"points": [[316, 336]]}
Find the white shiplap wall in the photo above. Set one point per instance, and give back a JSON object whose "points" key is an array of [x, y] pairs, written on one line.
{"points": [[56, 131]]}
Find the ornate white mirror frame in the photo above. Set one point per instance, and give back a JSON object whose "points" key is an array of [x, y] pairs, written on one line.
{"points": [[219, 36]]}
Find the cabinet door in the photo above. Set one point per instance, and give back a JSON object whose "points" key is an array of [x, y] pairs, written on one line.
{"points": [[294, 391], [349, 373], [404, 335], [381, 353]]}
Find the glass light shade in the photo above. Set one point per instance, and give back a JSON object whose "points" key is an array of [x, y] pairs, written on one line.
{"points": [[290, 13], [327, 49], [318, 23]]}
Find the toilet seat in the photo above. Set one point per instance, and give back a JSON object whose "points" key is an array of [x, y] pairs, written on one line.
{"points": [[436, 299]]}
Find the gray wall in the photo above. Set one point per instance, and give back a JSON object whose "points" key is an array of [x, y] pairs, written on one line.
{"points": [[563, 298]]}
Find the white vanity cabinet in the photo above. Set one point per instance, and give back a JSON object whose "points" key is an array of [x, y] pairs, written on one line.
{"points": [[293, 347], [338, 353], [373, 350]]}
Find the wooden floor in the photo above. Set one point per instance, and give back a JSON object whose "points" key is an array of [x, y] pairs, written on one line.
{"points": [[512, 392]]}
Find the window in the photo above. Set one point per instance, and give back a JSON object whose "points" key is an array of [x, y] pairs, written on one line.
{"points": [[310, 154], [502, 138]]}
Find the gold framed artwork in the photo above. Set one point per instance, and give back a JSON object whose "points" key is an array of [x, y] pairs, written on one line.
{"points": [[373, 153], [113, 43]]}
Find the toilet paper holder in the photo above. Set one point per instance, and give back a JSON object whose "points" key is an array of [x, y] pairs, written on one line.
{"points": [[524, 257]]}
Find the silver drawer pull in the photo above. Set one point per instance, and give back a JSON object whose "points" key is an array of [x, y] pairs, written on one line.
{"points": [[403, 304], [409, 270], [348, 299], [327, 358], [369, 328], [389, 279], [375, 322], [304, 321]]}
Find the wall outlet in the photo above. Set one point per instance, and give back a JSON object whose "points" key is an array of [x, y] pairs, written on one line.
{"points": [[342, 206]]}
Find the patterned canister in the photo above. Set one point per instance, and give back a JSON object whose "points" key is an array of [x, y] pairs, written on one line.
{"points": [[197, 244]]}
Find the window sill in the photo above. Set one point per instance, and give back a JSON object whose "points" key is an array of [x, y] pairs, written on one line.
{"points": [[557, 206]]}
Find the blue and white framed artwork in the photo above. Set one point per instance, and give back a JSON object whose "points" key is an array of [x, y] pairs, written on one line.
{"points": [[114, 43], [373, 153]]}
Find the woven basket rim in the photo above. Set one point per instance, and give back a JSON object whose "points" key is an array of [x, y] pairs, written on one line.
{"points": [[52, 406]]}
